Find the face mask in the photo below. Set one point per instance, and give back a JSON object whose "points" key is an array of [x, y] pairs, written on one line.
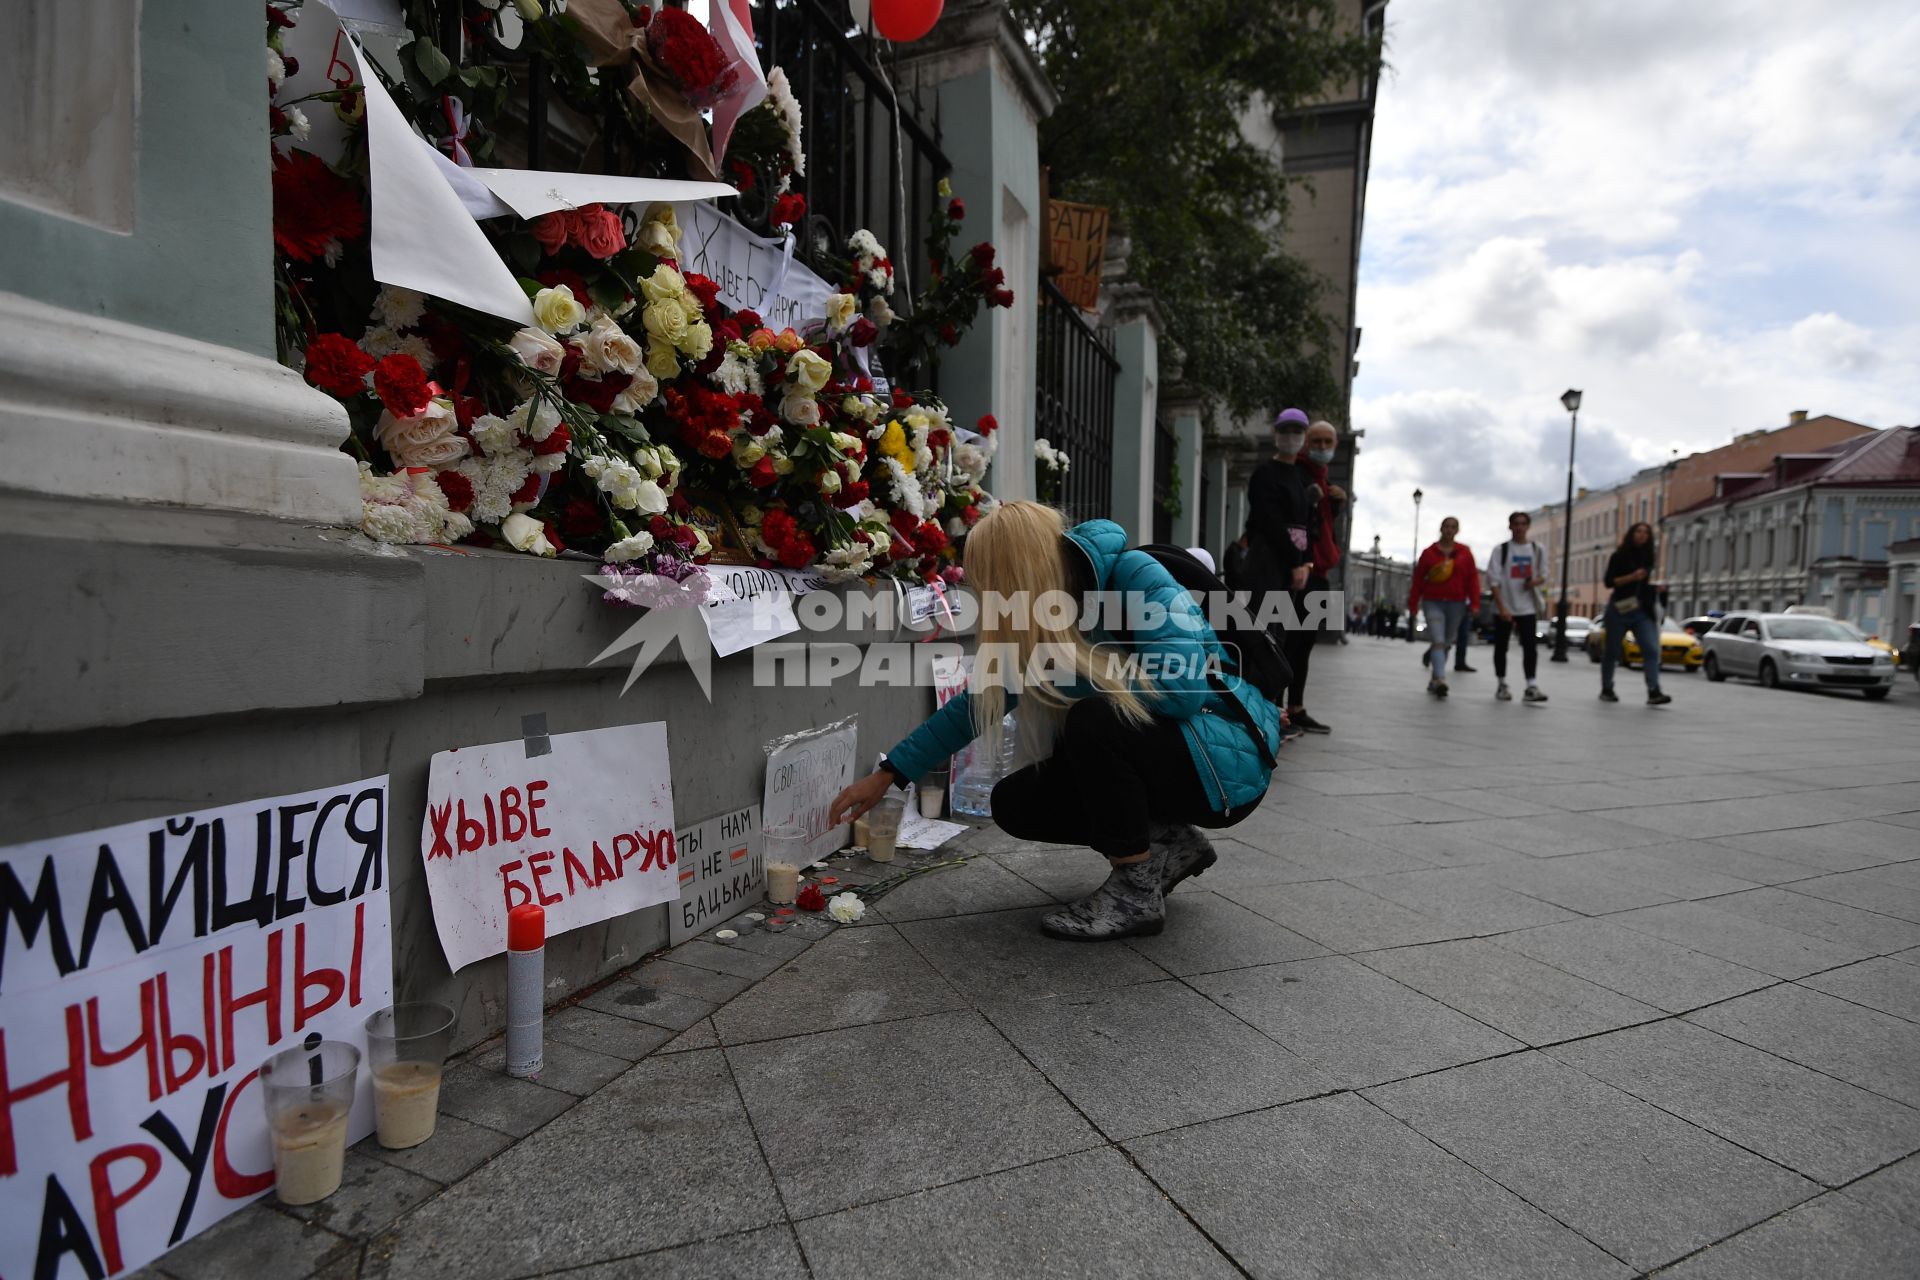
{"points": [[1321, 456], [1290, 442]]}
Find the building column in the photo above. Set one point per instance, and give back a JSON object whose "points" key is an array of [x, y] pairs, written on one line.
{"points": [[1136, 341], [1213, 529], [1188, 454]]}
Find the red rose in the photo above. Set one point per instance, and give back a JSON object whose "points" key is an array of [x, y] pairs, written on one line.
{"points": [[863, 332], [987, 425], [402, 385], [811, 899], [789, 209], [762, 476], [337, 366], [1000, 298], [550, 229], [291, 65], [278, 17], [681, 47], [993, 278], [660, 527], [599, 393], [743, 174], [597, 230], [937, 439], [949, 335], [747, 320], [957, 210], [554, 277], [313, 206], [905, 522], [850, 495], [982, 255], [458, 488], [580, 518], [901, 400], [970, 516]]}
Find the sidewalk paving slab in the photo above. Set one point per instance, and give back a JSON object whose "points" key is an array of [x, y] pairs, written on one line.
{"points": [[1894, 1190], [1003, 955], [1832, 1237], [1836, 922], [1343, 918], [1635, 964], [768, 1253], [1862, 1046], [1755, 944], [1533, 1002], [851, 977], [1207, 933], [1884, 983]]}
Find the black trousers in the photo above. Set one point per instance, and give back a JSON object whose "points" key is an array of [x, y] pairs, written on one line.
{"points": [[1105, 783], [1297, 643], [1526, 626]]}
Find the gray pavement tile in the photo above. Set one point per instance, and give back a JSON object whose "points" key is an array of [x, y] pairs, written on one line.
{"points": [[766, 1254], [1358, 1026], [1555, 835], [1836, 846], [1563, 882], [1445, 845], [1703, 927], [1811, 1123], [738, 961], [980, 885], [1836, 922], [1641, 1184], [456, 1149], [1833, 1238], [1152, 1057], [1080, 1215], [940, 1098], [257, 1241], [642, 1003], [372, 1194], [1063, 874], [605, 1033], [1530, 1001], [1318, 853], [1004, 956], [1891, 890], [662, 1156], [781, 946], [1583, 797], [1342, 918], [1206, 933], [853, 977], [1495, 803], [1900, 819], [1712, 819], [502, 1102], [992, 840], [1426, 809], [564, 1066], [1862, 1046], [700, 1035], [1663, 868], [1722, 859], [1333, 1188], [685, 980], [1635, 964], [1462, 896], [1894, 1190], [1885, 984]]}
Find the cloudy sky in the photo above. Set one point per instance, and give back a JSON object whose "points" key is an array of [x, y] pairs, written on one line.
{"points": [[1704, 215]]}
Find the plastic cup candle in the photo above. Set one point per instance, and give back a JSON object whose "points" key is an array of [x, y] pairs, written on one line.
{"points": [[406, 1048], [933, 798], [786, 850], [883, 828], [309, 1094]]}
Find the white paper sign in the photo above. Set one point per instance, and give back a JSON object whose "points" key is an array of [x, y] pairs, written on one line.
{"points": [[804, 774], [722, 872], [747, 606], [146, 971], [752, 273], [585, 831]]}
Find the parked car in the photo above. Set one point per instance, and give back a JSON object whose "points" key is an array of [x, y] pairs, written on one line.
{"points": [[1577, 628], [1699, 626], [1802, 650], [1859, 633], [1678, 647]]}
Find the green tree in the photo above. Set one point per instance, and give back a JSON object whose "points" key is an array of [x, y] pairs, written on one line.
{"points": [[1152, 95]]}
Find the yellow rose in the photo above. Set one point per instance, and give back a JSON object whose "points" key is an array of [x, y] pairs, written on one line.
{"points": [[747, 451], [557, 310], [660, 233], [698, 342], [662, 361], [808, 371], [665, 321], [841, 309], [664, 285]]}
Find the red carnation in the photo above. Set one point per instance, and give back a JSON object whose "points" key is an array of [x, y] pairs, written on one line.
{"points": [[937, 438], [714, 444], [987, 425], [458, 488], [982, 255], [863, 332], [811, 899], [528, 492], [851, 494], [776, 527], [278, 17], [551, 229], [681, 46], [580, 518], [970, 515], [761, 475], [903, 521], [402, 385], [901, 400], [337, 366], [313, 206], [743, 174], [553, 536], [748, 320], [957, 210], [930, 538], [798, 551], [789, 209], [703, 288], [557, 442]]}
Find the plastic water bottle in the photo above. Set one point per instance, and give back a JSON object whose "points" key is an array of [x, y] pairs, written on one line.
{"points": [[981, 764]]}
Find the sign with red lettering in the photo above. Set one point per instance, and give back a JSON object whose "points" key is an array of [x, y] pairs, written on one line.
{"points": [[146, 971], [585, 829]]}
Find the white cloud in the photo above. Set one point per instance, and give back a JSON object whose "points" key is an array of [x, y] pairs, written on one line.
{"points": [[1832, 341]]}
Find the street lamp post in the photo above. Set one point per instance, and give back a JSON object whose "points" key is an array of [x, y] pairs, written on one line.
{"points": [[1417, 495], [1572, 402]]}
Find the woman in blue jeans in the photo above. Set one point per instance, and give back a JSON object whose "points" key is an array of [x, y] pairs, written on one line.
{"points": [[1634, 607]]}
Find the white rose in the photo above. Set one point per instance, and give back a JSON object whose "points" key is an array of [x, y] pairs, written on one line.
{"points": [[557, 310], [524, 533], [841, 309], [800, 409], [610, 350], [664, 285], [807, 370], [666, 320], [629, 548], [639, 393], [748, 451], [699, 340], [652, 499], [829, 481], [537, 351], [428, 440], [846, 908]]}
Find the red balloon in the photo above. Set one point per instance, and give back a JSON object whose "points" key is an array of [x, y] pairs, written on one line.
{"points": [[902, 21]]}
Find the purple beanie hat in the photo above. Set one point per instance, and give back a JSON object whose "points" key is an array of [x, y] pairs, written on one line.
{"points": [[1296, 417]]}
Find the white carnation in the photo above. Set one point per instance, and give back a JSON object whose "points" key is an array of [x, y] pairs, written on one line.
{"points": [[846, 908], [629, 548]]}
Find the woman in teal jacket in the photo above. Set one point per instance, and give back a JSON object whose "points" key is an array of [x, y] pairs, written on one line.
{"points": [[1132, 755]]}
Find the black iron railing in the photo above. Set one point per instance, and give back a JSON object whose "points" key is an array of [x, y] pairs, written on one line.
{"points": [[1073, 402], [1166, 496]]}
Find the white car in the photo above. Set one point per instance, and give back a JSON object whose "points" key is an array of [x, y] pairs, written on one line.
{"points": [[1780, 649], [1577, 628]]}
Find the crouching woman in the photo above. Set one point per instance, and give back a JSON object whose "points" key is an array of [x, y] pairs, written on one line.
{"points": [[1125, 763]]}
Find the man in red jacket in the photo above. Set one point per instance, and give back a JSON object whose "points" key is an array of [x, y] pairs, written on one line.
{"points": [[1445, 586]]}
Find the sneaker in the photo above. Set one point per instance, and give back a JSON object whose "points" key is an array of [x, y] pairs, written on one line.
{"points": [[1179, 851], [1503, 694], [1128, 905], [1658, 699], [1290, 731], [1533, 694], [1440, 688], [1461, 666], [1307, 722], [1608, 695]]}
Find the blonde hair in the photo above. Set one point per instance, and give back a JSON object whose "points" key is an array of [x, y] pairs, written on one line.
{"points": [[1018, 552]]}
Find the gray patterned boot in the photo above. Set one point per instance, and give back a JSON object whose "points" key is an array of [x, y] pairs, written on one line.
{"points": [[1127, 905], [1179, 851]]}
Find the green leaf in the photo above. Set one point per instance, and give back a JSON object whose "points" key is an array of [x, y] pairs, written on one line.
{"points": [[433, 64], [607, 290], [530, 287]]}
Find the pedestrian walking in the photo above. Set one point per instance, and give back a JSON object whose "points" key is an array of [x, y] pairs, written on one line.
{"points": [[1444, 582], [1280, 513], [1324, 499], [1633, 607], [1517, 580], [1130, 769], [1461, 640]]}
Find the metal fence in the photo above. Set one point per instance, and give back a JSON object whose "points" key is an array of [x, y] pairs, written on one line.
{"points": [[1073, 405]]}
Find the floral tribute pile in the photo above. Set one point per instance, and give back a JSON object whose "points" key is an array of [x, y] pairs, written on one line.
{"points": [[637, 398]]}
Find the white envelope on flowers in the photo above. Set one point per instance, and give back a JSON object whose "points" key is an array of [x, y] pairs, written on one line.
{"points": [[532, 192]]}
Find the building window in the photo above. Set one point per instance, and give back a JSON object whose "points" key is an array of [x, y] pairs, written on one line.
{"points": [[1794, 542], [1769, 560]]}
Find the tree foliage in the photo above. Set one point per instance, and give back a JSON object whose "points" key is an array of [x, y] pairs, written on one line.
{"points": [[1153, 94]]}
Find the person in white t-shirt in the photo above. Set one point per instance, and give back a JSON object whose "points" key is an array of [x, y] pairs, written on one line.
{"points": [[1516, 572]]}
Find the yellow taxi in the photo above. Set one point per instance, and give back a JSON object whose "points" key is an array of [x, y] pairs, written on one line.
{"points": [[1678, 647]]}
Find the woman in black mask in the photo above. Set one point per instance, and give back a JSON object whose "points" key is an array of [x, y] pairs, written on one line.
{"points": [[1635, 607]]}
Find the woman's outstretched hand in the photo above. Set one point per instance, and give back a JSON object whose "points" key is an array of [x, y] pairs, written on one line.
{"points": [[860, 797]]}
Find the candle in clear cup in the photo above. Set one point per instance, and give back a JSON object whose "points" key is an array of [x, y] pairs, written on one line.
{"points": [[783, 882], [309, 1095], [407, 1046], [933, 799], [786, 853], [883, 828]]}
